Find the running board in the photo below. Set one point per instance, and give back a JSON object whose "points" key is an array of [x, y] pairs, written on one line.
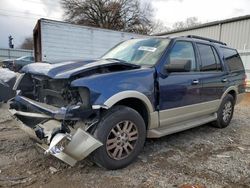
{"points": [[181, 126]]}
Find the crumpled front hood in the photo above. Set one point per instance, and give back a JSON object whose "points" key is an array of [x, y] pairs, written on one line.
{"points": [[65, 70]]}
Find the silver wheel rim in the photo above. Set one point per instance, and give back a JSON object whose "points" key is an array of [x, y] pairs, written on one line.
{"points": [[227, 111], [122, 140]]}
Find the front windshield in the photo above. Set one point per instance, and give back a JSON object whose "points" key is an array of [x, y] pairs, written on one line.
{"points": [[139, 51]]}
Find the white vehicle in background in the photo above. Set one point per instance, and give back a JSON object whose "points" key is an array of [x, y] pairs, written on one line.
{"points": [[17, 64]]}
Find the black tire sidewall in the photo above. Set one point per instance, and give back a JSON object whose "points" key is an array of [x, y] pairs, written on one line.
{"points": [[109, 120]]}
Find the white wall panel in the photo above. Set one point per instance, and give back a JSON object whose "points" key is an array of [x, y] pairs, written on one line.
{"points": [[63, 41]]}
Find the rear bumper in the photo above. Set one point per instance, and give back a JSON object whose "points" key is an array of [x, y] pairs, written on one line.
{"points": [[67, 144]]}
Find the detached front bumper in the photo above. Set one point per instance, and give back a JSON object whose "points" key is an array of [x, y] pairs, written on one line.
{"points": [[71, 149], [67, 144]]}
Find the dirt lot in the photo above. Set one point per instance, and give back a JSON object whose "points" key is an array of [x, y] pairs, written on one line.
{"points": [[201, 156]]}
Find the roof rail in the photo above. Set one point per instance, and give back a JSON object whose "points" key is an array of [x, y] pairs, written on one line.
{"points": [[207, 39]]}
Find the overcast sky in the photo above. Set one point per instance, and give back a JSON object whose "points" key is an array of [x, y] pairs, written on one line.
{"points": [[18, 17]]}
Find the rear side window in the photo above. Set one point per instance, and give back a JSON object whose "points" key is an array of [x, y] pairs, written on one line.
{"points": [[209, 58], [232, 60]]}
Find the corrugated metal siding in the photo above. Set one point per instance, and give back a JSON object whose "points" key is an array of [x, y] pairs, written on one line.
{"points": [[7, 53], [236, 34], [211, 32], [245, 56], [62, 41]]}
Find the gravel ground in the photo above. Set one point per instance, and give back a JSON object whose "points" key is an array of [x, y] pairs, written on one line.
{"points": [[203, 156]]}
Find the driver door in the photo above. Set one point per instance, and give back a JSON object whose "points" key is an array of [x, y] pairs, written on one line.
{"points": [[179, 91]]}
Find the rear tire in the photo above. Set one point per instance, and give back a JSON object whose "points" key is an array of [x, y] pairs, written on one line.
{"points": [[225, 112], [122, 132]]}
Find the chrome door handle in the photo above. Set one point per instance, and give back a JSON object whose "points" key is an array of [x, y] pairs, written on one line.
{"points": [[195, 82], [224, 80]]}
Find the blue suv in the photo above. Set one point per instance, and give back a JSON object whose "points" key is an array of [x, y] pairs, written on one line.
{"points": [[150, 87]]}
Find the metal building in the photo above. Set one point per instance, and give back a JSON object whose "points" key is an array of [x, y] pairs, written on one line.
{"points": [[235, 32]]}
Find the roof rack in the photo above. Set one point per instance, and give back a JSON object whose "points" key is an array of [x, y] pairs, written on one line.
{"points": [[207, 39]]}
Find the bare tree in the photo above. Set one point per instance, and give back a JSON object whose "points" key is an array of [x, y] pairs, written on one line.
{"points": [[27, 44], [189, 22], [122, 15], [159, 27]]}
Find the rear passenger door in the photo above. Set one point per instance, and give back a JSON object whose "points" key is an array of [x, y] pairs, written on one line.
{"points": [[213, 78]]}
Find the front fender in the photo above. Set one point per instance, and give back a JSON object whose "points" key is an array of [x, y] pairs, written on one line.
{"points": [[129, 94], [107, 89]]}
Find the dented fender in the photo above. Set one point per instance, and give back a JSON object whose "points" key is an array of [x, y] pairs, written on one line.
{"points": [[103, 86]]}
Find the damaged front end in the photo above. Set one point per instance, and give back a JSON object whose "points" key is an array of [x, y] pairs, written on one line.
{"points": [[64, 132]]}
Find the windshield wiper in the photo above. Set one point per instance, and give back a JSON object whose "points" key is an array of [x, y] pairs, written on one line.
{"points": [[116, 59], [123, 61]]}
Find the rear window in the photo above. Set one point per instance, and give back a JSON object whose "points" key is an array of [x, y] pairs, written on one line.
{"points": [[232, 60]]}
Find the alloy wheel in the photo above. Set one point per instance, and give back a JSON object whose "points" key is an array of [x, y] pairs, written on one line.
{"points": [[121, 140], [227, 111]]}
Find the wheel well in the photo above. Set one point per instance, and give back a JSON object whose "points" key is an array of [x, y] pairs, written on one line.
{"points": [[138, 106], [233, 93]]}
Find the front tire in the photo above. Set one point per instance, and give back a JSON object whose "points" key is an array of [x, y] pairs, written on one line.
{"points": [[225, 112], [122, 132]]}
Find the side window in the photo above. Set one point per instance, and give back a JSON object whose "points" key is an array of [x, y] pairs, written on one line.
{"points": [[209, 58], [232, 60], [183, 50], [219, 67]]}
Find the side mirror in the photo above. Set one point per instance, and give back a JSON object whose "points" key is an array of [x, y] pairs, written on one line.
{"points": [[178, 65]]}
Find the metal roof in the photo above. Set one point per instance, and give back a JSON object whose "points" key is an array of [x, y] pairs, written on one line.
{"points": [[235, 19]]}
